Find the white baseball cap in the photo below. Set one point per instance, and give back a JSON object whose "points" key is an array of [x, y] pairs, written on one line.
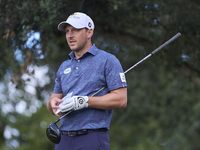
{"points": [[78, 20]]}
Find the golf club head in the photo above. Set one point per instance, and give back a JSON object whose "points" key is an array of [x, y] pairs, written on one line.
{"points": [[53, 133]]}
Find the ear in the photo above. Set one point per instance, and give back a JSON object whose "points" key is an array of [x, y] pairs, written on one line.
{"points": [[90, 33]]}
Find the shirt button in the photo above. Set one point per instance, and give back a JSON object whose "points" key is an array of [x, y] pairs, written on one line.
{"points": [[76, 67], [78, 60]]}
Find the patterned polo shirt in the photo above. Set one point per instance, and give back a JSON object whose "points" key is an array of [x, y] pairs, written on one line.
{"points": [[84, 77]]}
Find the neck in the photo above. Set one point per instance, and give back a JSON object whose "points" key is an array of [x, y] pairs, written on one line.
{"points": [[80, 53]]}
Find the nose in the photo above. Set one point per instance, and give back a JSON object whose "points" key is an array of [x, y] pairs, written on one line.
{"points": [[69, 34]]}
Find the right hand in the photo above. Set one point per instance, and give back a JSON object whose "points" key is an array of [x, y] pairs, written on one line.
{"points": [[54, 104]]}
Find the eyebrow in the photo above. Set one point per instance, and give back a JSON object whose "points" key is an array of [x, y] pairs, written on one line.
{"points": [[77, 29]]}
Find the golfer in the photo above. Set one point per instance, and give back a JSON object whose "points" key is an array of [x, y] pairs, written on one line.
{"points": [[87, 70]]}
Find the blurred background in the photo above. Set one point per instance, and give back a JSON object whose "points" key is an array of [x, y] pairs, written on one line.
{"points": [[163, 111]]}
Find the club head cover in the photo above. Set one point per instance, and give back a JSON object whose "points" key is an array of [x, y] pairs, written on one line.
{"points": [[53, 133]]}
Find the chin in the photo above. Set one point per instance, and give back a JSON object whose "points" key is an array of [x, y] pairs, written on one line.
{"points": [[73, 48]]}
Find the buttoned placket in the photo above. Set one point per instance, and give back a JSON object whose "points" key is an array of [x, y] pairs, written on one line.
{"points": [[78, 62], [76, 67]]}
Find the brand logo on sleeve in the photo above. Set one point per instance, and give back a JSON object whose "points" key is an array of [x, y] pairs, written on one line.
{"points": [[68, 70], [122, 76]]}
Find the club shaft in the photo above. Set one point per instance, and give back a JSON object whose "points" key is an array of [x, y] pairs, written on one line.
{"points": [[166, 43], [156, 50], [138, 63], [63, 116]]}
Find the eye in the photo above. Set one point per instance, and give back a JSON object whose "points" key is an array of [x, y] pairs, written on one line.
{"points": [[66, 31], [76, 30]]}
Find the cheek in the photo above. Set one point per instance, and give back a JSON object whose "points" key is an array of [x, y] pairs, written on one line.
{"points": [[83, 40], [67, 39], [66, 36]]}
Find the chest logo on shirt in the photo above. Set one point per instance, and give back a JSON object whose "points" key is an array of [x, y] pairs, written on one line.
{"points": [[122, 76], [68, 70]]}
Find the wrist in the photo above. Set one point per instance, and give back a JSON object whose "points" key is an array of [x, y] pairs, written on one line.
{"points": [[88, 101]]}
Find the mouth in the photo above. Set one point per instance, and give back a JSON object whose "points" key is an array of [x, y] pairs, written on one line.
{"points": [[72, 42]]}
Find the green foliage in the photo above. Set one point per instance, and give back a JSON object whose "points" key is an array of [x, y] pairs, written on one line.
{"points": [[160, 118], [163, 109]]}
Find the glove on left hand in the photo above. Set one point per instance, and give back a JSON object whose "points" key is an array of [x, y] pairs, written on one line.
{"points": [[74, 103]]}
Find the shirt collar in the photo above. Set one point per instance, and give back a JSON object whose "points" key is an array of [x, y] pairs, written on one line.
{"points": [[93, 51]]}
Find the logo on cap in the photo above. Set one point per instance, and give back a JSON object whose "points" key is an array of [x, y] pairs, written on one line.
{"points": [[74, 15], [89, 25]]}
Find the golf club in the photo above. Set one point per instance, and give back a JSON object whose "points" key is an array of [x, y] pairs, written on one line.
{"points": [[53, 132]]}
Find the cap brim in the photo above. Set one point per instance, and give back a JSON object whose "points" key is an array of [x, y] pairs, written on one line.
{"points": [[62, 26]]}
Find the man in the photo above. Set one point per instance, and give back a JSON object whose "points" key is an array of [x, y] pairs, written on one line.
{"points": [[87, 70]]}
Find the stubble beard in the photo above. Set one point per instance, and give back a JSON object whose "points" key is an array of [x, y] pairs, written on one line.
{"points": [[78, 47]]}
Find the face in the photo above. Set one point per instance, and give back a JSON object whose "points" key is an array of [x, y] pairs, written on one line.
{"points": [[77, 39]]}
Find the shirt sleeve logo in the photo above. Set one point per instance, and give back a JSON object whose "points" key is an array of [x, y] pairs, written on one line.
{"points": [[122, 76], [68, 70]]}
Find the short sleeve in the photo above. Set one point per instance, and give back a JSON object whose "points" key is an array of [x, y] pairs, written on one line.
{"points": [[114, 73], [57, 87]]}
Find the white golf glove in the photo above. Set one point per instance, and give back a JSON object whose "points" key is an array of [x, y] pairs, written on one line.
{"points": [[74, 103], [69, 95]]}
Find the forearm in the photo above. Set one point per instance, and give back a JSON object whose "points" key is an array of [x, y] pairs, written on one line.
{"points": [[114, 99]]}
